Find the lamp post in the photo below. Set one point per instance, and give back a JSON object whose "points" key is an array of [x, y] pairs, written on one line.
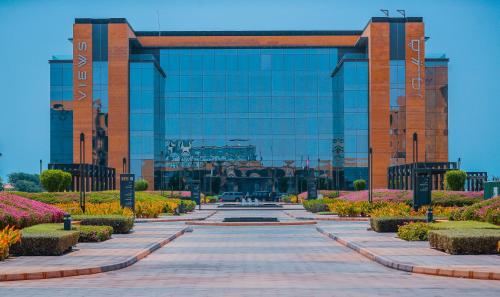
{"points": [[40, 167], [124, 165], [82, 164], [370, 172]]}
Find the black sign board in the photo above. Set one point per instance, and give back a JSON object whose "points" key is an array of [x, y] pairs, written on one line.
{"points": [[422, 190], [127, 190], [312, 190], [195, 192]]}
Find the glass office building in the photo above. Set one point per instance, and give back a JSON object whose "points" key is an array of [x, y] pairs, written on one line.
{"points": [[245, 111]]}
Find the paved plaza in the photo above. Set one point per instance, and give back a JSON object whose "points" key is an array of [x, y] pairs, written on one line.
{"points": [[253, 261]]}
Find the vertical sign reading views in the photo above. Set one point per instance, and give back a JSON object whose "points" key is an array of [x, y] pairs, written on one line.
{"points": [[82, 89], [82, 49]]}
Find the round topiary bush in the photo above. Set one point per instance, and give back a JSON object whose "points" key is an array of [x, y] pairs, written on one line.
{"points": [[54, 180], [359, 184], [454, 180], [141, 185]]}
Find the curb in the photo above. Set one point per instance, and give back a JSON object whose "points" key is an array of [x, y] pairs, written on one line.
{"points": [[339, 219], [92, 270], [141, 221], [252, 223], [484, 275]]}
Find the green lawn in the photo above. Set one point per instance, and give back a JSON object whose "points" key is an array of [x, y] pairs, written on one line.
{"points": [[46, 229], [463, 225]]}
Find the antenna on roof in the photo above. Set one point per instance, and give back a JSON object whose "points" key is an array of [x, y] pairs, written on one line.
{"points": [[402, 12], [158, 18], [385, 11]]}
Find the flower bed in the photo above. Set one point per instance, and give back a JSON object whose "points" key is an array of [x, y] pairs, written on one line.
{"points": [[486, 211], [92, 197], [8, 237], [21, 212]]}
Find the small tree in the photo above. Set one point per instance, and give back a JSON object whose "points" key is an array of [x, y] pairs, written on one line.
{"points": [[54, 180], [359, 184], [454, 180], [141, 185]]}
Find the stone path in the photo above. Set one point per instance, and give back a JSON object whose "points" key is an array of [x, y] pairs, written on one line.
{"points": [[416, 254], [254, 261]]}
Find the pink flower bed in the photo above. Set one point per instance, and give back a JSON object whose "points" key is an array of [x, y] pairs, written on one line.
{"points": [[22, 212], [395, 195]]}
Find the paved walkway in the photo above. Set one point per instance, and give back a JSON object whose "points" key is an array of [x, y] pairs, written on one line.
{"points": [[86, 258], [415, 254], [254, 261]]}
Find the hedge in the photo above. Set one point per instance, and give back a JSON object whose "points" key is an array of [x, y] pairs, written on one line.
{"points": [[465, 241], [120, 224], [141, 185], [94, 233], [317, 205], [391, 224], [186, 206], [454, 180], [359, 184], [45, 240]]}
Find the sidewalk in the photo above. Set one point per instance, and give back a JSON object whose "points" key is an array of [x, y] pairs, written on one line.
{"points": [[411, 256], [88, 258]]}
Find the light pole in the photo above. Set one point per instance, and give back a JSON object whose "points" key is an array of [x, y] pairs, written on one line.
{"points": [[82, 164], [124, 165], [370, 172], [40, 167]]}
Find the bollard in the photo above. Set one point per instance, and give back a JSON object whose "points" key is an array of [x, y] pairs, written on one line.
{"points": [[430, 217], [67, 221]]}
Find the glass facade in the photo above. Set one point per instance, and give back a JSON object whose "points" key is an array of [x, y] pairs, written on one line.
{"points": [[147, 125], [275, 103], [61, 111], [350, 129], [397, 111]]}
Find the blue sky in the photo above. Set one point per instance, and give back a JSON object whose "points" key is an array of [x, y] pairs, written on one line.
{"points": [[467, 31]]}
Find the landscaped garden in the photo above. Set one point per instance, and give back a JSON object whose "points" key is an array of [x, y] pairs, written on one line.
{"points": [[465, 223], [31, 223]]}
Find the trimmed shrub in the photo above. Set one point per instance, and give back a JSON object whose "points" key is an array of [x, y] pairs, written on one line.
{"points": [[317, 205], [120, 224], [45, 240], [416, 231], [141, 185], [186, 206], [54, 180], [454, 180], [465, 241], [359, 184], [391, 224], [94, 233]]}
